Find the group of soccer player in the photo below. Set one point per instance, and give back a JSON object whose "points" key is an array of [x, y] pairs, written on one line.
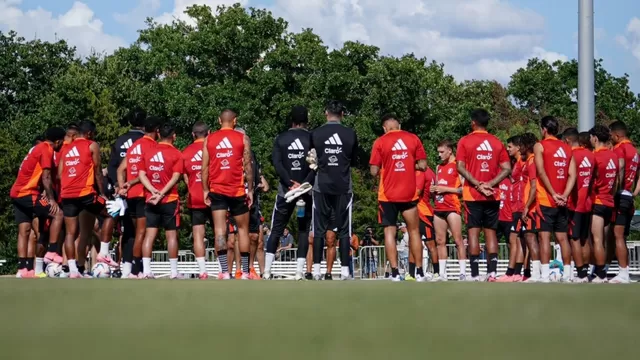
{"points": [[580, 188]]}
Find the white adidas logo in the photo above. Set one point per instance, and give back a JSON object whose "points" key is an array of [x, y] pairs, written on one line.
{"points": [[611, 165], [296, 145], [197, 157], [585, 163], [73, 152], [636, 158], [399, 145], [224, 144], [127, 144], [158, 158], [485, 146], [136, 150], [334, 140], [560, 154]]}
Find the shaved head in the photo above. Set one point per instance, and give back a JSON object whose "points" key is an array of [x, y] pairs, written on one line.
{"points": [[200, 130], [228, 117]]}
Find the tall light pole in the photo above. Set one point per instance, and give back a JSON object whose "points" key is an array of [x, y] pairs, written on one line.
{"points": [[586, 92]]}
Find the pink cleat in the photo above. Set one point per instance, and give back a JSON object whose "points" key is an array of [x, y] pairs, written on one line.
{"points": [[21, 274], [518, 278], [203, 276], [177, 276], [253, 275], [245, 276], [107, 260], [31, 274], [491, 278], [131, 276], [505, 279], [75, 275], [224, 276], [52, 257], [148, 276]]}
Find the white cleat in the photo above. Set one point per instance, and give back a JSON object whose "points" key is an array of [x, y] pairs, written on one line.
{"points": [[544, 280], [620, 280], [267, 276], [598, 280], [428, 276], [422, 278], [396, 278], [578, 280], [299, 277], [437, 278], [317, 277], [475, 279], [533, 280]]}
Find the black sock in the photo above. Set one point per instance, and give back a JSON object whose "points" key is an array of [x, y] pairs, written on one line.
{"points": [[244, 260], [492, 263], [29, 264], [527, 273], [436, 268], [475, 271], [510, 271], [419, 271], [412, 269], [138, 266], [583, 271], [518, 269], [22, 263], [394, 272], [52, 247], [81, 269], [600, 272], [65, 268], [222, 258]]}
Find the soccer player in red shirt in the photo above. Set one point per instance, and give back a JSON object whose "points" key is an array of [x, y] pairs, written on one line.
{"points": [[160, 175], [226, 166], [605, 184], [483, 163], [447, 209], [529, 222], [80, 174], [625, 208], [579, 202], [131, 187], [394, 156], [556, 171], [200, 212], [29, 203], [424, 181]]}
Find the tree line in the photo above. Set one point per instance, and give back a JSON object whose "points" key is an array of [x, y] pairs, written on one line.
{"points": [[246, 59]]}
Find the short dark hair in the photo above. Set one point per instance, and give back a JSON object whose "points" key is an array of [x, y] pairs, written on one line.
{"points": [[334, 107], [515, 140], [601, 132], [167, 130], [299, 115], [54, 134], [584, 139], [152, 124], [447, 143], [136, 117], [571, 134], [387, 117], [72, 126], [38, 139], [87, 126], [200, 129], [618, 126], [550, 124], [528, 141], [481, 117]]}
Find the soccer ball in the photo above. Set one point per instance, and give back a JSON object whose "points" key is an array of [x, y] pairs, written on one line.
{"points": [[101, 270], [555, 275], [53, 270]]}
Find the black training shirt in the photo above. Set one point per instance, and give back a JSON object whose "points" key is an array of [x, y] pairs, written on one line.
{"points": [[289, 158], [336, 146], [119, 152]]}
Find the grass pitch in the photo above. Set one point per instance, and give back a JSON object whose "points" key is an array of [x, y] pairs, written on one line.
{"points": [[162, 319]]}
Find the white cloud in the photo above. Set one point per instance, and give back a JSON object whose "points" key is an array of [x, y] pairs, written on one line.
{"points": [[485, 39], [179, 6], [136, 17], [631, 39], [78, 26]]}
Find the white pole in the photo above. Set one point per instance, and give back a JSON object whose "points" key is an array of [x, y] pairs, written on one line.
{"points": [[586, 92]]}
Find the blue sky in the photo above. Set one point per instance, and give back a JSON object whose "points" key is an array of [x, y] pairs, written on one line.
{"points": [[486, 39]]}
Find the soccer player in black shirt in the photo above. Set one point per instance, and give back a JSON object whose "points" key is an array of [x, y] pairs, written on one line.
{"points": [[336, 147]]}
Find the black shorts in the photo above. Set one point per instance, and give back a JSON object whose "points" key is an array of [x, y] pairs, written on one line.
{"points": [[27, 208], [388, 211], [554, 219], [579, 225], [427, 231], [482, 214], [514, 224], [254, 220], [235, 206], [232, 227], [166, 216], [604, 212], [327, 205], [504, 229], [444, 215], [136, 207], [91, 203], [532, 225], [201, 216], [625, 209]]}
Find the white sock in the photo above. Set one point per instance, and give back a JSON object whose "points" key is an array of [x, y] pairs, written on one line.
{"points": [[174, 266], [146, 266], [623, 273], [104, 249], [545, 271], [463, 267], [73, 268], [39, 265], [535, 269], [316, 269], [201, 265], [268, 260], [126, 270], [567, 272], [300, 265], [345, 271], [443, 268]]}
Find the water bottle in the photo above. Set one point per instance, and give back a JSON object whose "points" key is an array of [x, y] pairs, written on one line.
{"points": [[300, 205]]}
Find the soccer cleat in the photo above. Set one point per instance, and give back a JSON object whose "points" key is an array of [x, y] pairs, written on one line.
{"points": [[177, 276], [583, 280], [224, 276], [148, 276], [491, 278], [421, 278], [475, 279], [328, 276], [238, 275], [598, 280], [544, 280], [64, 275], [396, 278], [106, 259], [253, 275], [203, 276], [75, 275], [131, 276], [409, 278], [317, 277], [298, 277], [308, 276], [532, 280], [244, 276], [21, 274], [620, 280], [267, 276], [41, 275], [52, 257], [505, 278], [345, 278], [437, 278], [428, 276], [518, 278]]}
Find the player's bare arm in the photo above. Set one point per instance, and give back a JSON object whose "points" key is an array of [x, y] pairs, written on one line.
{"points": [[97, 171], [530, 200], [47, 184], [174, 180], [438, 189], [248, 168], [146, 183], [204, 172], [421, 165], [621, 173], [505, 170], [374, 170], [571, 180], [462, 170], [538, 150], [264, 185], [122, 174]]}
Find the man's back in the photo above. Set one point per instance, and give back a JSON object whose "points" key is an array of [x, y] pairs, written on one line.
{"points": [[288, 156], [606, 171], [336, 146], [482, 154], [556, 157], [160, 165], [119, 152], [580, 199], [135, 163], [226, 167], [78, 169], [626, 151]]}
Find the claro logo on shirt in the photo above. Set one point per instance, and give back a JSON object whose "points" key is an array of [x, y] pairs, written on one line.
{"points": [[224, 144], [399, 146]]}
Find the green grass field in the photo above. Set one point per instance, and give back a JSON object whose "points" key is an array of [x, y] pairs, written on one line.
{"points": [[161, 319]]}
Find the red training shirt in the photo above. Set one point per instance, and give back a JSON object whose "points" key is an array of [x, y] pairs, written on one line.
{"points": [[448, 176], [27, 183], [556, 157], [529, 174], [192, 160], [424, 181], [226, 165], [482, 154], [504, 190], [606, 171], [626, 151], [160, 165], [580, 199], [78, 178], [516, 193], [135, 162]]}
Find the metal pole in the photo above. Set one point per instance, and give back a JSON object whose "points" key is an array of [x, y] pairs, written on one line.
{"points": [[586, 92]]}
